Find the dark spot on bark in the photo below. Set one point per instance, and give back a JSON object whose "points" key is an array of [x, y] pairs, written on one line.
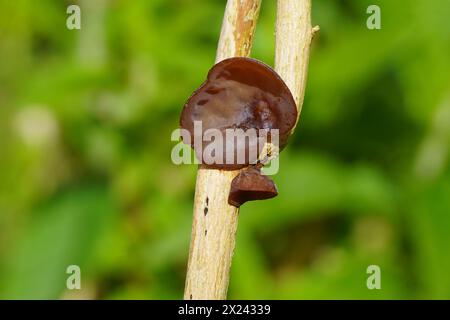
{"points": [[206, 211]]}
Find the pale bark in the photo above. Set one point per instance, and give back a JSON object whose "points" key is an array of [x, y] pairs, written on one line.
{"points": [[293, 41], [215, 221]]}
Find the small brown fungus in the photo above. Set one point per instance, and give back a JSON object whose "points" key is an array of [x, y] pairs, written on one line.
{"points": [[250, 185], [239, 93]]}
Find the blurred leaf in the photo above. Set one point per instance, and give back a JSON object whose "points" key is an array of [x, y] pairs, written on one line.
{"points": [[63, 232], [430, 213]]}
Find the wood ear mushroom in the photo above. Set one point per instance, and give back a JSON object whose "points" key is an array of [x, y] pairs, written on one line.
{"points": [[241, 94], [250, 185]]}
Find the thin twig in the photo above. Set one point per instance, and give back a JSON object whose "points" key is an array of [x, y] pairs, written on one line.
{"points": [[215, 221], [293, 40]]}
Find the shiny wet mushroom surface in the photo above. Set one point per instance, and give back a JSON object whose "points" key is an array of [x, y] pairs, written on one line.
{"points": [[239, 96]]}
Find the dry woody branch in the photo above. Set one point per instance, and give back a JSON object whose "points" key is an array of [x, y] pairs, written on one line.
{"points": [[214, 220]]}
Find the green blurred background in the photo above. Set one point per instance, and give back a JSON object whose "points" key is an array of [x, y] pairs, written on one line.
{"points": [[86, 176]]}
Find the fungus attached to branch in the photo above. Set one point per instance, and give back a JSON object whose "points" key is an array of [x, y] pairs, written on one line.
{"points": [[240, 95], [250, 185]]}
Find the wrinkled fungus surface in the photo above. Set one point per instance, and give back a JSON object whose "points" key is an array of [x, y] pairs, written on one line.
{"points": [[239, 93]]}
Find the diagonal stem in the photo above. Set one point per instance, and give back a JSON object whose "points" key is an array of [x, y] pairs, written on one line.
{"points": [[215, 221]]}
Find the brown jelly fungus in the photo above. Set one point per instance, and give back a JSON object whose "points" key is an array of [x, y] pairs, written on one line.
{"points": [[239, 93], [250, 185]]}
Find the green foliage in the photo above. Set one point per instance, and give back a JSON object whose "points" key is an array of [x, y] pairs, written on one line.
{"points": [[86, 176]]}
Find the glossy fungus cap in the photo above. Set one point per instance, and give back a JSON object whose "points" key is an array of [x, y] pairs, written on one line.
{"points": [[239, 93], [250, 185]]}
